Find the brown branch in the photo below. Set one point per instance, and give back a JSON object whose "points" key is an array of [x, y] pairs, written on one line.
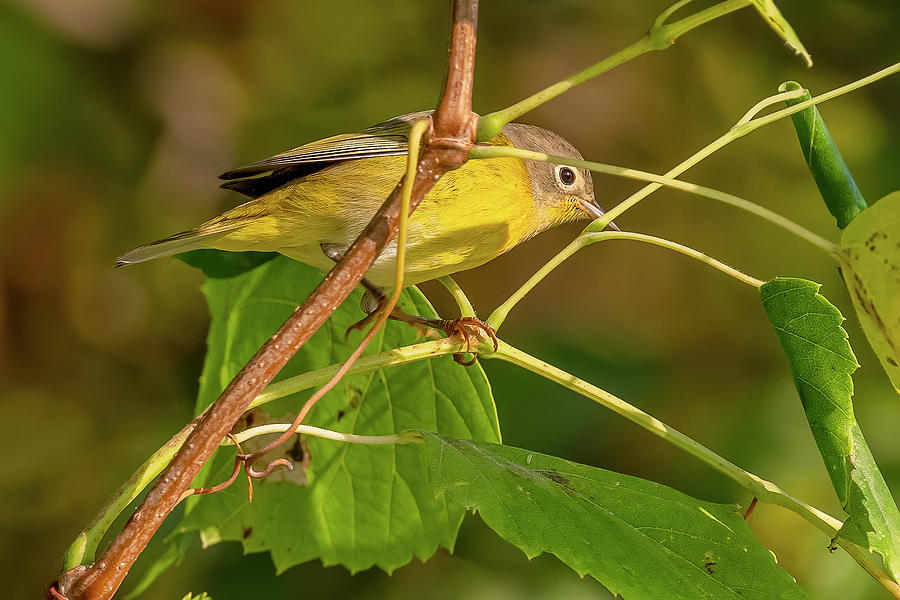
{"points": [[446, 148], [453, 119]]}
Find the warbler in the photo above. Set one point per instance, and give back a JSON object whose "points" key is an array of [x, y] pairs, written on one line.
{"points": [[311, 202]]}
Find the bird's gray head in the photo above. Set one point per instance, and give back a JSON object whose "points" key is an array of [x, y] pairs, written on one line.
{"points": [[564, 193]]}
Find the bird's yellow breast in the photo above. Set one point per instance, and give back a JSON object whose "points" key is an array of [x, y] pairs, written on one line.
{"points": [[472, 215]]}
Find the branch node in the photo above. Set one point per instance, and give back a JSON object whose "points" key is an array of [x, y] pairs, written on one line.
{"points": [[453, 149]]}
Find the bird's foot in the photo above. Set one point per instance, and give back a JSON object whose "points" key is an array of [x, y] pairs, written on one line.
{"points": [[467, 328], [361, 324]]}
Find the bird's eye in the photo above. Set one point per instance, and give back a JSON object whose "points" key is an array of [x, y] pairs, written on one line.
{"points": [[566, 176]]}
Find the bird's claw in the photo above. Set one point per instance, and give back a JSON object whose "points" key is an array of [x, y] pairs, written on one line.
{"points": [[468, 328]]}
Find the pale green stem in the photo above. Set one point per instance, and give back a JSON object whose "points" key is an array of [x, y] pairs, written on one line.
{"points": [[666, 35], [328, 434], [591, 238], [767, 102], [412, 160], [490, 124], [736, 201], [397, 356], [844, 89], [664, 15], [659, 38], [762, 489], [744, 126], [765, 491], [585, 239], [384, 311], [500, 313], [83, 549], [465, 307]]}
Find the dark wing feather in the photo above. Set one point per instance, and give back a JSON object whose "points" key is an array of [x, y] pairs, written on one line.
{"points": [[389, 138]]}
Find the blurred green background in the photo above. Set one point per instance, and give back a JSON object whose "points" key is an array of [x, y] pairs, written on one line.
{"points": [[117, 116]]}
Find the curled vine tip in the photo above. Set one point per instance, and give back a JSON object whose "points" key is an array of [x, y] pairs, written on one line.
{"points": [[280, 462]]}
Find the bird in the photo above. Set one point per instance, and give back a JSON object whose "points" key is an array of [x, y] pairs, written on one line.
{"points": [[310, 203]]}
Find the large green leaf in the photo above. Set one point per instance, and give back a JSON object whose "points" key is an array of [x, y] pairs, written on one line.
{"points": [[821, 361], [353, 505], [638, 538], [870, 262]]}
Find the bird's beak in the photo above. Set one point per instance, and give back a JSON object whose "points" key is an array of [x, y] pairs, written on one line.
{"points": [[594, 211]]}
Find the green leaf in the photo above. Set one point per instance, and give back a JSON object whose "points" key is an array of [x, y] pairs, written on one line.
{"points": [[222, 265], [638, 538], [870, 263], [353, 505], [833, 178], [776, 21], [874, 521], [821, 361]]}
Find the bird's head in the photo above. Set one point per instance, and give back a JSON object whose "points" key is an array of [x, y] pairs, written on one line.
{"points": [[562, 193]]}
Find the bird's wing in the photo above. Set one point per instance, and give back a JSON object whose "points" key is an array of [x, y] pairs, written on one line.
{"points": [[389, 138]]}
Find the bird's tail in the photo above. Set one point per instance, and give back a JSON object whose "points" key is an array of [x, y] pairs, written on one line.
{"points": [[185, 241]]}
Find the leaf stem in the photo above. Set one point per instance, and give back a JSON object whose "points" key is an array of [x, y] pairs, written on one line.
{"points": [[394, 357], [83, 549], [664, 36], [662, 180], [591, 238], [664, 15], [764, 490], [769, 101], [495, 320], [744, 126], [465, 306], [490, 125], [328, 434], [585, 239], [852, 86], [659, 37]]}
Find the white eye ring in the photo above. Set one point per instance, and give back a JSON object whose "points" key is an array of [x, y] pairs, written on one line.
{"points": [[566, 176]]}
